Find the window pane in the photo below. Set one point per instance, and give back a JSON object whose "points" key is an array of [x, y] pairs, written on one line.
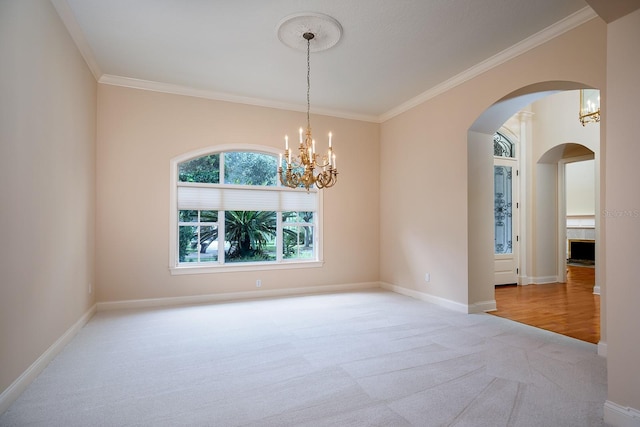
{"points": [[297, 216], [203, 169], [208, 216], [188, 244], [502, 146], [208, 243], [251, 236], [250, 168], [187, 216], [298, 243], [290, 216]]}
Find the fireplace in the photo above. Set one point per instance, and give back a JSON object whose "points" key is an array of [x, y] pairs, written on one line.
{"points": [[581, 250]]}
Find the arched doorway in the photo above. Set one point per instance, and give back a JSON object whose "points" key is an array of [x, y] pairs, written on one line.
{"points": [[479, 198]]}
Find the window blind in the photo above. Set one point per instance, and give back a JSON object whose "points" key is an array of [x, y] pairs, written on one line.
{"points": [[246, 199]]}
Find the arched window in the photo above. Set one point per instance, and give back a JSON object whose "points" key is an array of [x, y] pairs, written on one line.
{"points": [[502, 146], [229, 211]]}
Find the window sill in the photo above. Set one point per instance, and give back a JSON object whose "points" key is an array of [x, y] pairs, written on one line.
{"points": [[249, 266]]}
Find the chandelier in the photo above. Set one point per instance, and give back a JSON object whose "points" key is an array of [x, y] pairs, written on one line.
{"points": [[308, 168], [589, 106]]}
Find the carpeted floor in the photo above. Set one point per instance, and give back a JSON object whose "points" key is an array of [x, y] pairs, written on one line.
{"points": [[348, 359]]}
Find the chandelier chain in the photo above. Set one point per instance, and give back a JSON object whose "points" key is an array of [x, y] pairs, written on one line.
{"points": [[308, 81]]}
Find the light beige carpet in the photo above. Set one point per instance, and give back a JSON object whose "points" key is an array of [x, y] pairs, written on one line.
{"points": [[349, 359]]}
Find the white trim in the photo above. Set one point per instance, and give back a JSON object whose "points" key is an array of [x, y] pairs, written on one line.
{"points": [[581, 221], [596, 290], [524, 155], [570, 22], [422, 296], [76, 33], [483, 307], [620, 416], [543, 280], [22, 382], [525, 280], [561, 243], [174, 89], [232, 296], [602, 349], [194, 154], [242, 266]]}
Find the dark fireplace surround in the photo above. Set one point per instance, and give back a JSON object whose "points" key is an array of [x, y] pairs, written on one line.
{"points": [[582, 250]]}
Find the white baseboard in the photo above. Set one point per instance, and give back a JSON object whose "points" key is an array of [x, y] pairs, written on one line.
{"points": [[525, 280], [483, 306], [231, 296], [602, 349], [620, 416], [442, 302], [20, 384], [543, 280], [596, 290]]}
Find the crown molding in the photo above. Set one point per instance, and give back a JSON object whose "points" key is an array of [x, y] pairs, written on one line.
{"points": [[76, 33], [219, 96], [68, 18], [570, 22]]}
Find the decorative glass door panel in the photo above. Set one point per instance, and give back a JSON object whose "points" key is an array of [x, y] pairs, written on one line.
{"points": [[503, 209]]}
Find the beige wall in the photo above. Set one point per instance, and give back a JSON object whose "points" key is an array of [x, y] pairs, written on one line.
{"points": [[47, 161], [622, 210], [481, 238], [424, 187], [555, 122], [580, 179], [140, 131]]}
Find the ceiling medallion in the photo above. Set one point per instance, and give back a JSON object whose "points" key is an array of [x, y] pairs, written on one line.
{"points": [[326, 30]]}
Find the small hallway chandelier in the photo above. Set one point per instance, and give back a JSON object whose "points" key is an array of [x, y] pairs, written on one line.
{"points": [[589, 106], [308, 168]]}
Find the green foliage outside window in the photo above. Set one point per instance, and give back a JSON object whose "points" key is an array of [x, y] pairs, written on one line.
{"points": [[203, 169], [249, 233], [249, 168]]}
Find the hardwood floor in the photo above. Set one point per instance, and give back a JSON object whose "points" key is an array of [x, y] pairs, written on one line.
{"points": [[566, 308]]}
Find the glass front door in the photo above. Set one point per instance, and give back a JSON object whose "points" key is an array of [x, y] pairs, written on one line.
{"points": [[503, 209]]}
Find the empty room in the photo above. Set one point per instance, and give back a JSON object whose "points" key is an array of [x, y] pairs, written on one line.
{"points": [[295, 212]]}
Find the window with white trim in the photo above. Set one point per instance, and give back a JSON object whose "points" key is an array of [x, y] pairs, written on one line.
{"points": [[230, 211]]}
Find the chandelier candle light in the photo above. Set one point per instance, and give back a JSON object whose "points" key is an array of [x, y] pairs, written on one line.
{"points": [[307, 168]]}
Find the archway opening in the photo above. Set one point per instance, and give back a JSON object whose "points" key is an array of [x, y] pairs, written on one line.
{"points": [[480, 186]]}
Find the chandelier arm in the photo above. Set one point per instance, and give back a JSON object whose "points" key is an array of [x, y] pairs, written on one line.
{"points": [[325, 163]]}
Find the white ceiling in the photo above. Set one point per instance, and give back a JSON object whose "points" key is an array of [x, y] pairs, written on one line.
{"points": [[392, 52]]}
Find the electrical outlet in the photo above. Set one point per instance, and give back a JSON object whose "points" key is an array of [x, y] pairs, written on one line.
{"points": [[427, 277], [258, 283]]}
